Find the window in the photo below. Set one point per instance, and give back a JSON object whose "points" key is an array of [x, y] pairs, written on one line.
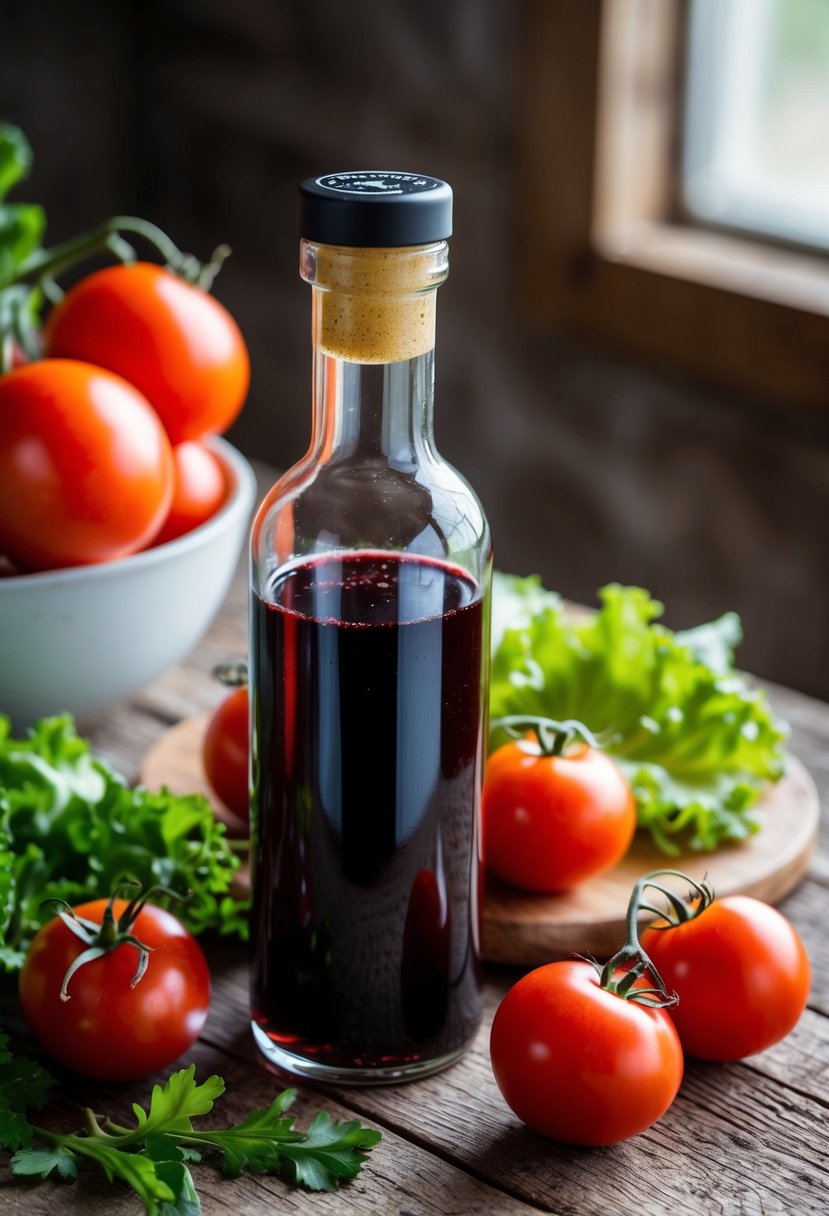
{"points": [[756, 130], [618, 251]]}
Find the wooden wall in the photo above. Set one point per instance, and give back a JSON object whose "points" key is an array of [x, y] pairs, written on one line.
{"points": [[204, 115]]}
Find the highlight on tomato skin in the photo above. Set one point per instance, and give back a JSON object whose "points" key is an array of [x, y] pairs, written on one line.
{"points": [[111, 1027], [552, 821], [86, 469], [225, 752], [173, 340], [199, 489], [741, 973], [580, 1064]]}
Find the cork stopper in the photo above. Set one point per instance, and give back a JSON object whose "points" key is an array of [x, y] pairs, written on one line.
{"points": [[374, 305]]}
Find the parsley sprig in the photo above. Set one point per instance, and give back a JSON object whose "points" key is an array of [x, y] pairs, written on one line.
{"points": [[153, 1157]]}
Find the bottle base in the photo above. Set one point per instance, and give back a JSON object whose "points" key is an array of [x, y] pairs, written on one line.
{"points": [[332, 1074]]}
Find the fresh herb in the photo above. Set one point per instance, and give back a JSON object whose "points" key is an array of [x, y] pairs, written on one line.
{"points": [[24, 1086], [22, 226], [696, 742], [154, 1156], [70, 828]]}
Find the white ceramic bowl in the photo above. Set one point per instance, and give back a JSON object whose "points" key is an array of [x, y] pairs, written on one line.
{"points": [[85, 638]]}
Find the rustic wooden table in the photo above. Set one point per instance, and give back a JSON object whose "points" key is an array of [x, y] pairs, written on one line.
{"points": [[746, 1138]]}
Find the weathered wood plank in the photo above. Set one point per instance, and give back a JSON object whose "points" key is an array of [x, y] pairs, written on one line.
{"points": [[124, 736], [801, 1061], [400, 1176], [757, 1128], [754, 1136], [809, 721], [808, 909], [744, 1138]]}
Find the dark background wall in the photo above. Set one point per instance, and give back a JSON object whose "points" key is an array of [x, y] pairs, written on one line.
{"points": [[204, 115]]}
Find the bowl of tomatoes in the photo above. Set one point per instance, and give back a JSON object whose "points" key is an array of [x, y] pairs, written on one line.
{"points": [[122, 511], [84, 637]]}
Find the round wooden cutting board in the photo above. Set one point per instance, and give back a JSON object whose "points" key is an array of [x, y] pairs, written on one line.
{"points": [[531, 929], [526, 930]]}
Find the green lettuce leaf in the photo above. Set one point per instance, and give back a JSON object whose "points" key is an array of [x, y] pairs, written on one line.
{"points": [[695, 740], [70, 827]]}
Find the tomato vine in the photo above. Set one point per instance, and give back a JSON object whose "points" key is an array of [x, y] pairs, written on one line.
{"points": [[631, 959], [29, 270]]}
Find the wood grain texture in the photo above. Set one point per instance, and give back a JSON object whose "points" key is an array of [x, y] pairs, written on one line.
{"points": [[730, 1127], [746, 1139], [174, 760], [401, 1178], [528, 930]]}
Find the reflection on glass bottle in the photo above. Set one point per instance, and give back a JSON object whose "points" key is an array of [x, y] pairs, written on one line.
{"points": [[424, 968], [369, 664]]}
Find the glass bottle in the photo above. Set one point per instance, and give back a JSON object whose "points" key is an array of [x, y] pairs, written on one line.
{"points": [[369, 667]]}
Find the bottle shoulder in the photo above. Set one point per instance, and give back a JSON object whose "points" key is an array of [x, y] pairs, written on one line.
{"points": [[428, 509]]}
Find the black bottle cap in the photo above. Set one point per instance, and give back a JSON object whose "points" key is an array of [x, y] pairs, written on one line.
{"points": [[373, 209]]}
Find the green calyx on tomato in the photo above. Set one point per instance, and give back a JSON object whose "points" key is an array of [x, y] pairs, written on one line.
{"points": [[585, 1054], [588, 1054], [104, 404], [553, 737], [622, 973], [696, 742], [232, 675], [119, 1023], [170, 339], [556, 810], [739, 968], [107, 935]]}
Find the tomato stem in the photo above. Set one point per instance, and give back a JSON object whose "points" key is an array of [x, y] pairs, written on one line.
{"points": [[107, 936], [106, 236], [553, 736], [6, 351], [45, 265], [232, 675], [34, 279], [632, 960]]}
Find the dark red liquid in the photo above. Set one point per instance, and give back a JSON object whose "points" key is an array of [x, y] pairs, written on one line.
{"points": [[368, 749]]}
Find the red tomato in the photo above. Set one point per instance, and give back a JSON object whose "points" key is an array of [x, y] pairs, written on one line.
{"points": [[173, 341], [86, 470], [580, 1064], [225, 752], [199, 490], [550, 821], [108, 1028], [741, 973]]}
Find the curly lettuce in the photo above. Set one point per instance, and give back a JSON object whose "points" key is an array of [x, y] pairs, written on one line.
{"points": [[696, 742], [70, 827]]}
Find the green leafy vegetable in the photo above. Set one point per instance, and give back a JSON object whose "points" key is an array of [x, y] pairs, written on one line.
{"points": [[70, 827], [29, 272], [22, 226], [24, 1086], [695, 741], [152, 1157]]}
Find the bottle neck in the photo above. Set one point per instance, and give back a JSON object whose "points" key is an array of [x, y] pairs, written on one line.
{"points": [[373, 330], [378, 413]]}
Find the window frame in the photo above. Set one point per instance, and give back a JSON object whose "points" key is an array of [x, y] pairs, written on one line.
{"points": [[611, 255]]}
